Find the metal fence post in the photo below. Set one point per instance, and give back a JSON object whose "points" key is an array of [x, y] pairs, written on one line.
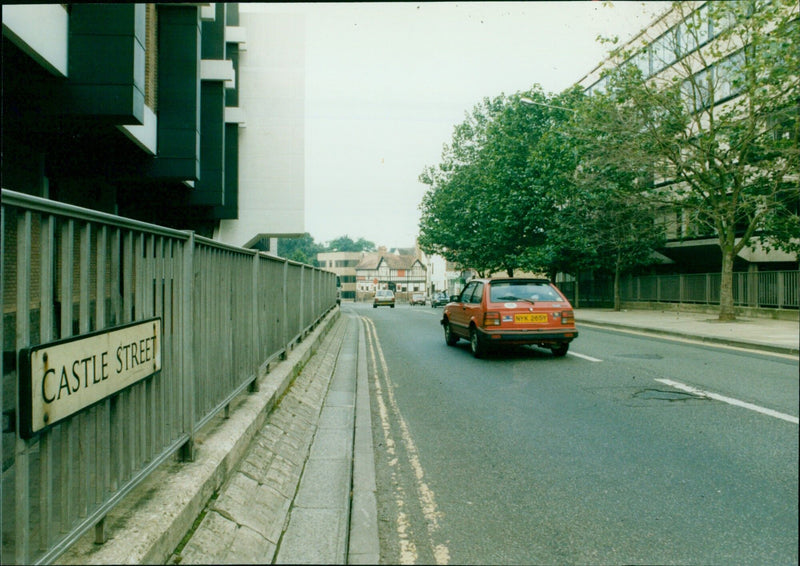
{"points": [[285, 306], [187, 338], [22, 515], [255, 339], [302, 301]]}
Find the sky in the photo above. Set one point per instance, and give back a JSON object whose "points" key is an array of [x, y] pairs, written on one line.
{"points": [[386, 83]]}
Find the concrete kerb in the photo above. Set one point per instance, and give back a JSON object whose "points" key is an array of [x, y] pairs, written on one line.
{"points": [[363, 547], [153, 519], [706, 339]]}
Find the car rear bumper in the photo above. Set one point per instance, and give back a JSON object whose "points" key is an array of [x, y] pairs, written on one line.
{"points": [[528, 336]]}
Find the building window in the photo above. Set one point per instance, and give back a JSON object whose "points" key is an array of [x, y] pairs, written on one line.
{"points": [[697, 91], [598, 87], [729, 76], [694, 31], [722, 19], [642, 62], [664, 51]]}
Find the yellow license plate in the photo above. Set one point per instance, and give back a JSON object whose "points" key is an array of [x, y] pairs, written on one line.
{"points": [[529, 318]]}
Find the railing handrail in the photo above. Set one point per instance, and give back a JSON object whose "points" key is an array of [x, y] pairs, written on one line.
{"points": [[226, 312], [39, 204]]}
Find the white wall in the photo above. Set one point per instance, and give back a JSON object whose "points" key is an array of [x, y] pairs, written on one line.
{"points": [[272, 142], [41, 31]]}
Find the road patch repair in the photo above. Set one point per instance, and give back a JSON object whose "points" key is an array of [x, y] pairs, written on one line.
{"points": [[729, 400]]}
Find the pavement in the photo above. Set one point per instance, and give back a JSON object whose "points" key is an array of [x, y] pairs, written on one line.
{"points": [[288, 477]]}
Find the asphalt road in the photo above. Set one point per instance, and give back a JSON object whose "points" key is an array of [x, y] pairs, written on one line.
{"points": [[601, 457]]}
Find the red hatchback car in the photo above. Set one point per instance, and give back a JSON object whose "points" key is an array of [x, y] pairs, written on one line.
{"points": [[493, 312]]}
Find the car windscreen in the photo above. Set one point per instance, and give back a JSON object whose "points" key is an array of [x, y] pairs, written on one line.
{"points": [[522, 291]]}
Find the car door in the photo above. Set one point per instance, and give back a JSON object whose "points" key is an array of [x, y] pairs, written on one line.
{"points": [[473, 308], [459, 311]]}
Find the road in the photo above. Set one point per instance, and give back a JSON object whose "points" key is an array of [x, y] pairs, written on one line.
{"points": [[601, 457]]}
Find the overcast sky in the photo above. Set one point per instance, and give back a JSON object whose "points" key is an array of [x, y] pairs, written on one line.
{"points": [[387, 82]]}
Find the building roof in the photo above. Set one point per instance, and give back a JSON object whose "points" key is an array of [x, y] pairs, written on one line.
{"points": [[394, 261]]}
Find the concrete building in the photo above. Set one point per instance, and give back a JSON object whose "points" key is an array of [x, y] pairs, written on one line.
{"points": [[343, 264], [272, 142], [443, 275], [680, 38], [182, 115]]}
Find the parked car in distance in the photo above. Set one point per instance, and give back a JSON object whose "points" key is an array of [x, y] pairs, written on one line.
{"points": [[439, 299], [495, 312], [383, 298], [417, 299]]}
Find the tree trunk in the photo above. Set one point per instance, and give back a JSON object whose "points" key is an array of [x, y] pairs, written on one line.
{"points": [[726, 309]]}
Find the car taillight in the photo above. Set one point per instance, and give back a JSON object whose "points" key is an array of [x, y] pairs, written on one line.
{"points": [[567, 317], [491, 319]]}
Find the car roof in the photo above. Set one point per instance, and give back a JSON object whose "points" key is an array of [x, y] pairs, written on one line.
{"points": [[512, 279]]}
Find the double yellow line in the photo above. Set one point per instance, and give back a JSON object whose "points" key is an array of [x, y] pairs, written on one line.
{"points": [[390, 413]]}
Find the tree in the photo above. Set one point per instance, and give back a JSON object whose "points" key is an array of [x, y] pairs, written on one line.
{"points": [[303, 249], [486, 206], [614, 230], [346, 244], [719, 126], [604, 221]]}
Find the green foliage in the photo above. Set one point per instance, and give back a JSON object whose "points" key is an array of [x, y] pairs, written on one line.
{"points": [[303, 249], [725, 141], [345, 244], [509, 194], [714, 138], [488, 203]]}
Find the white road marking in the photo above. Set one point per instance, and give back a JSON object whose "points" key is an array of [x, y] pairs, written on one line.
{"points": [[729, 400], [584, 357]]}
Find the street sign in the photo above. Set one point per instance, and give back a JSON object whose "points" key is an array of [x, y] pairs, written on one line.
{"points": [[62, 378]]}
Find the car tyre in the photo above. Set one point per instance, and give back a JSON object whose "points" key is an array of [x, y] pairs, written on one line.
{"points": [[560, 350], [374, 306], [391, 306], [476, 344], [449, 336]]}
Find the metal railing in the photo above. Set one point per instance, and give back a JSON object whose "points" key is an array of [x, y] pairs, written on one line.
{"points": [[761, 290], [226, 312]]}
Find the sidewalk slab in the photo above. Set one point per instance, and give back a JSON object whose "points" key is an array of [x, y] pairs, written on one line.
{"points": [[318, 524], [259, 496], [149, 523]]}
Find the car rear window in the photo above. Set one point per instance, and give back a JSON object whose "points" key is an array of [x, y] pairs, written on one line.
{"points": [[521, 290]]}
